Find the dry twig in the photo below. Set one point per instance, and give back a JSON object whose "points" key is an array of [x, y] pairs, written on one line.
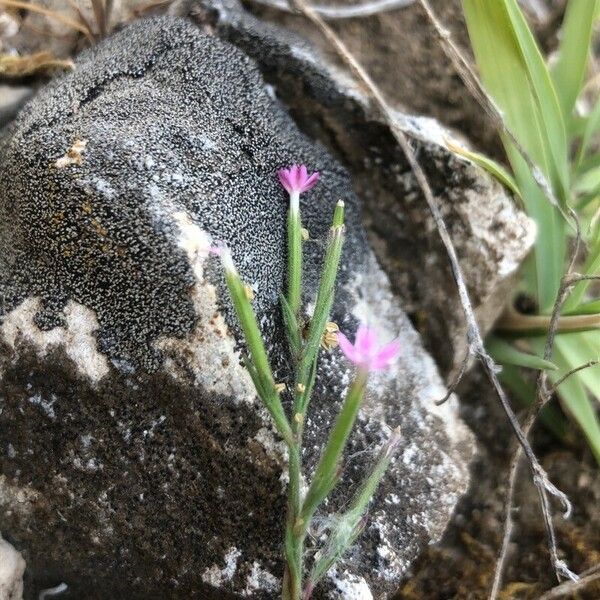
{"points": [[365, 9], [572, 587], [543, 396]]}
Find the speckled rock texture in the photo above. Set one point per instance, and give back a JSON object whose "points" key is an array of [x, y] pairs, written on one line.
{"points": [[491, 235], [136, 460], [12, 567]]}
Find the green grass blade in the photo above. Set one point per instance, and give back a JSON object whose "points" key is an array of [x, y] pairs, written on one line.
{"points": [[524, 391], [506, 354], [589, 308], [592, 267], [551, 241], [576, 401], [592, 125], [588, 182], [578, 348], [576, 35], [514, 72], [491, 166]]}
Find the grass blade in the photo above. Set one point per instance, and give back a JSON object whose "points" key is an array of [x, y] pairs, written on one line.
{"points": [[491, 166], [515, 74], [576, 34], [506, 354]]}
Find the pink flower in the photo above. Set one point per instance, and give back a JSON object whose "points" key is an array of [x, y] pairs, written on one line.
{"points": [[296, 179], [365, 353]]}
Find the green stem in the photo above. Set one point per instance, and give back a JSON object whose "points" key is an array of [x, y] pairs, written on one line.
{"points": [[262, 374], [326, 473], [294, 546], [324, 301], [294, 258], [352, 522]]}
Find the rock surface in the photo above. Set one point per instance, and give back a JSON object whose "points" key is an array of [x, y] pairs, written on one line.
{"points": [[12, 567], [491, 236], [137, 462]]}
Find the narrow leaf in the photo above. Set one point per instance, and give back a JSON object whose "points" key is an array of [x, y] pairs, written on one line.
{"points": [[491, 166], [505, 353], [291, 327], [573, 52], [591, 127]]}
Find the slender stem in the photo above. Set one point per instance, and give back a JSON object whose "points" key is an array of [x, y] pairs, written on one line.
{"points": [[350, 524], [326, 473], [294, 546], [514, 321], [323, 305], [261, 368], [294, 254]]}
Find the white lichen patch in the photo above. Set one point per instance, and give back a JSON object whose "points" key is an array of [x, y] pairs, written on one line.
{"points": [[77, 338], [217, 576], [389, 562], [260, 579], [12, 568], [347, 586], [274, 447], [209, 350]]}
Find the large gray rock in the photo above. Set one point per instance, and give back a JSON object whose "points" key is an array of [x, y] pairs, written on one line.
{"points": [[137, 461], [490, 234]]}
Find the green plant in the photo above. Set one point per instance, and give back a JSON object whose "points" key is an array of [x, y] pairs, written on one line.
{"points": [[543, 128], [305, 338]]}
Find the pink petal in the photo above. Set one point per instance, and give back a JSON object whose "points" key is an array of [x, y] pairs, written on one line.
{"points": [[311, 182], [385, 356], [366, 340], [284, 179], [303, 176], [348, 349], [294, 177]]}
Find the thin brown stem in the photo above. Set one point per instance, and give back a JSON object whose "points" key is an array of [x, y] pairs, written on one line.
{"points": [[587, 365], [543, 395], [451, 388], [572, 587]]}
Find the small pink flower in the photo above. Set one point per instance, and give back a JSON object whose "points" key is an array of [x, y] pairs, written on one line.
{"points": [[296, 179], [365, 353]]}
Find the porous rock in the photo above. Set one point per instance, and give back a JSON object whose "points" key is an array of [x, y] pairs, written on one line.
{"points": [[137, 461], [12, 567], [490, 234]]}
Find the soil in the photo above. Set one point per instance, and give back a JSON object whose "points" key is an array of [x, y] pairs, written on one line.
{"points": [[461, 566]]}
